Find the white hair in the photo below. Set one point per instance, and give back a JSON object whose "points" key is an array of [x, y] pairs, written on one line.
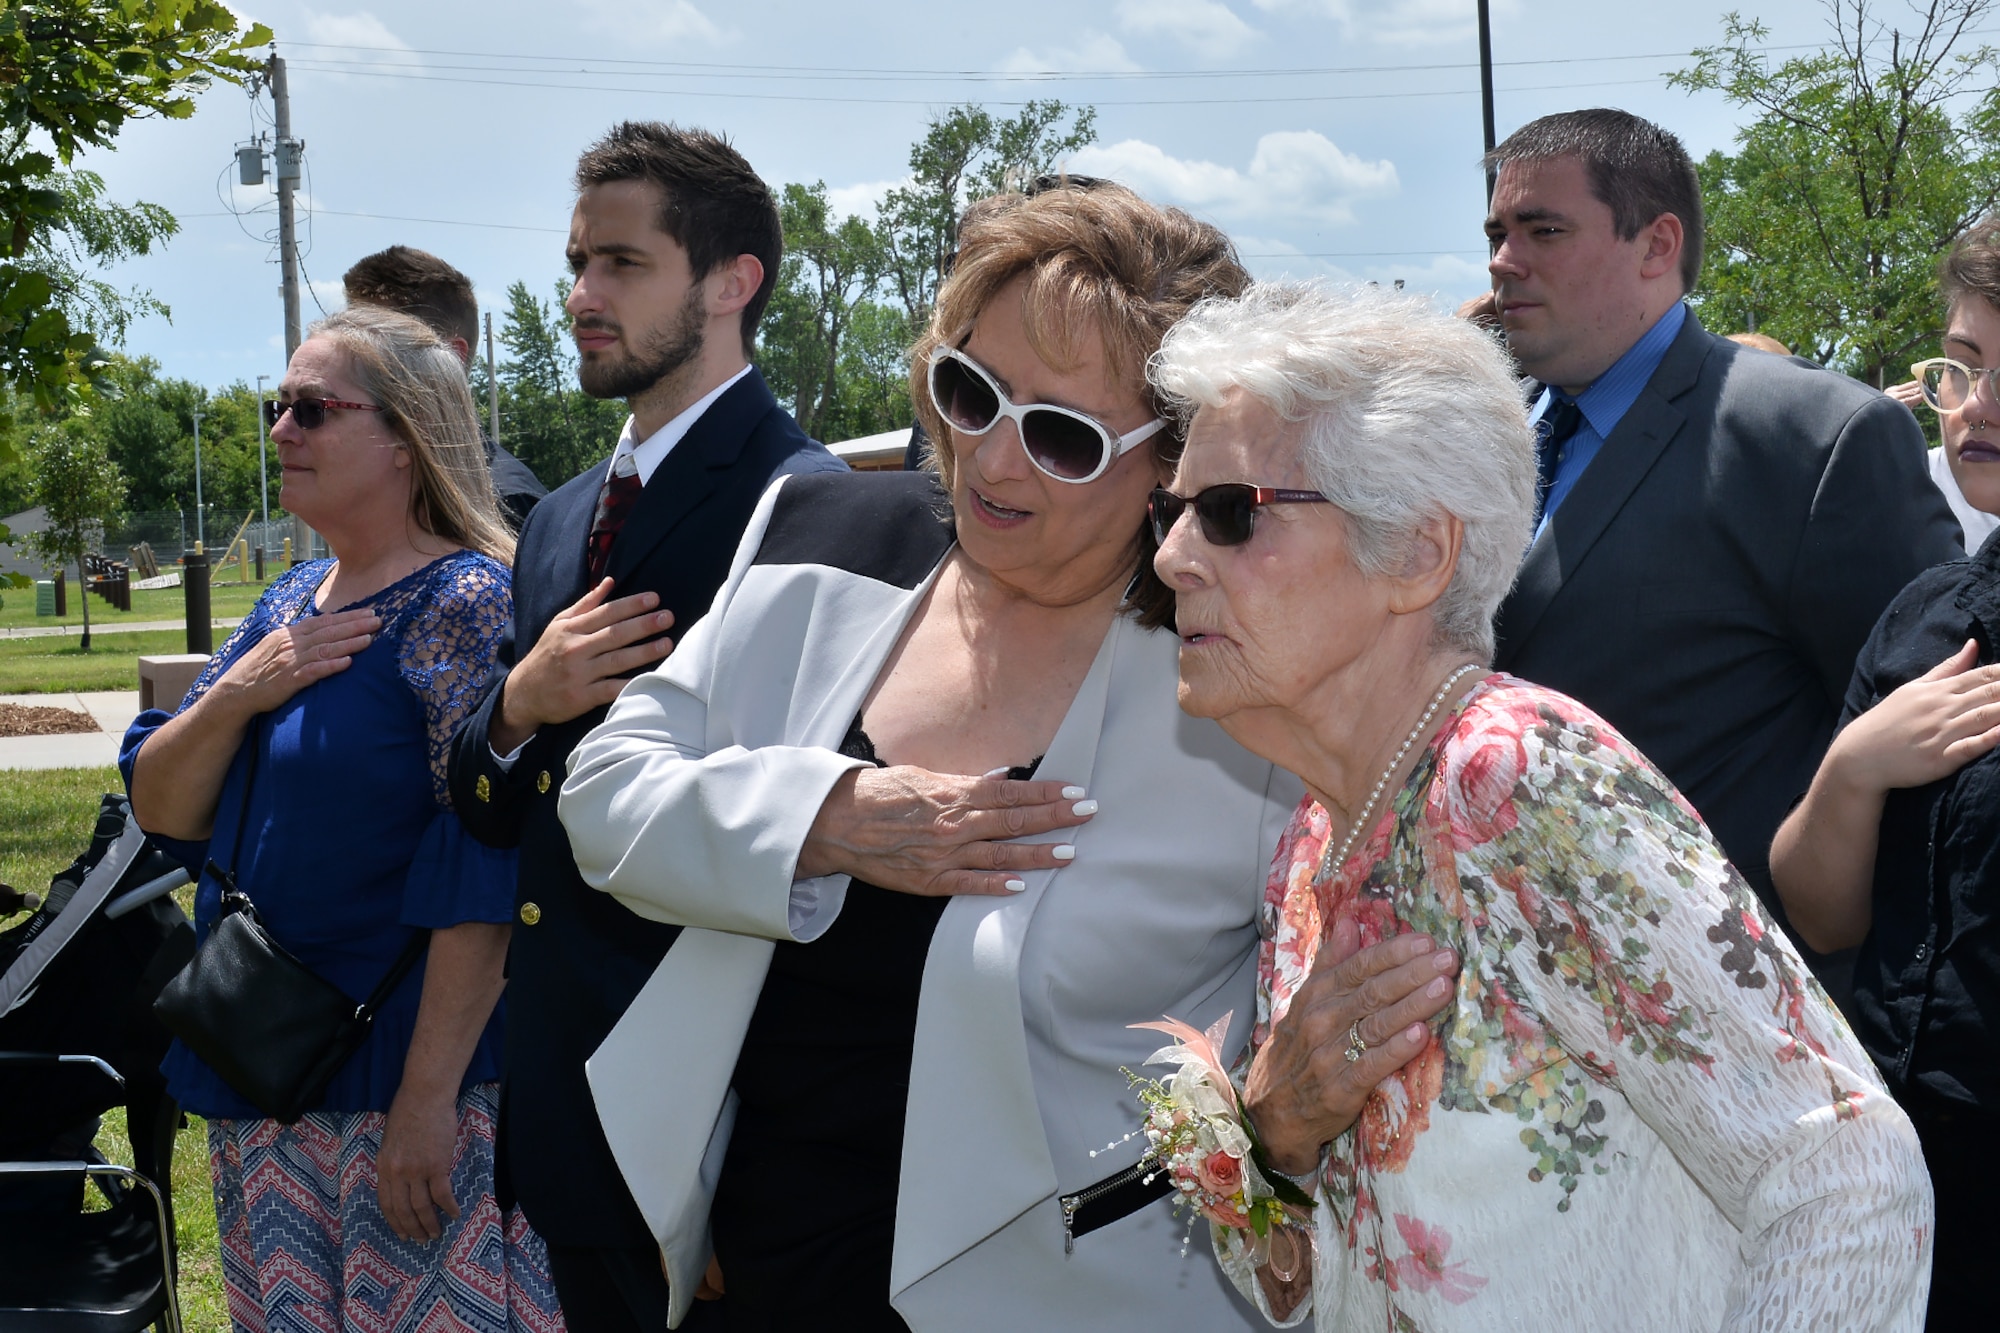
{"points": [[1408, 412]]}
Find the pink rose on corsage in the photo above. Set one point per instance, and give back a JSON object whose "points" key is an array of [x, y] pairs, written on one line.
{"points": [[1220, 1173], [1198, 1133]]}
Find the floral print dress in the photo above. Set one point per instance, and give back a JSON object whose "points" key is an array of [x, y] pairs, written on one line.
{"points": [[1640, 1112]]}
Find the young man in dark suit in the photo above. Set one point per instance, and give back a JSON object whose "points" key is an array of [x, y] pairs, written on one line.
{"points": [[675, 245], [1719, 528]]}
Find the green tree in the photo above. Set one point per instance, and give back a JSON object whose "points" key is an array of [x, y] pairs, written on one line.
{"points": [[546, 419], [965, 154], [831, 266], [1864, 161], [72, 72], [80, 488], [851, 298]]}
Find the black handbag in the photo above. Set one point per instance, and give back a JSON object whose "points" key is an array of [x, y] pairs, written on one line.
{"points": [[273, 1029]]}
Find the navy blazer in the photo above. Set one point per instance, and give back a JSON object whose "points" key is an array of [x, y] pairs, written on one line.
{"points": [[578, 956], [1710, 580]]}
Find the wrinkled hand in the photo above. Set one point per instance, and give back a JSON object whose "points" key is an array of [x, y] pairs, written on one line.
{"points": [[1483, 311], [935, 834], [1303, 1091], [413, 1169], [285, 661], [1909, 393], [580, 662], [1925, 730]]}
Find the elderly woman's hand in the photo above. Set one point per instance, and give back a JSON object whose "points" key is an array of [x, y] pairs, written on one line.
{"points": [[1304, 1090], [287, 660], [937, 834]]}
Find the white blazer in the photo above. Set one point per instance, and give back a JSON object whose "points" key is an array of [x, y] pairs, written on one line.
{"points": [[690, 804]]}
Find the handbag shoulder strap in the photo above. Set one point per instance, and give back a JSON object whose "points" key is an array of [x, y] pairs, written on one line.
{"points": [[225, 876], [407, 959]]}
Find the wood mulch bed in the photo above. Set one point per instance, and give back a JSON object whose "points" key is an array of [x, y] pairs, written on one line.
{"points": [[31, 720]]}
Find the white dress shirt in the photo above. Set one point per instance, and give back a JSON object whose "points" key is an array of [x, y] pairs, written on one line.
{"points": [[647, 455]]}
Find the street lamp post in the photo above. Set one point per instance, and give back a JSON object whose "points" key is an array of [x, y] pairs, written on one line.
{"points": [[197, 482], [263, 475]]}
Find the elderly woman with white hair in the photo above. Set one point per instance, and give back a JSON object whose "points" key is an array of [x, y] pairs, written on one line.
{"points": [[1637, 1110]]}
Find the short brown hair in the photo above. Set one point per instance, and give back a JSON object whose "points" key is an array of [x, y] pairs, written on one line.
{"points": [[420, 284], [1635, 168], [711, 202], [403, 364], [1972, 266], [1099, 261]]}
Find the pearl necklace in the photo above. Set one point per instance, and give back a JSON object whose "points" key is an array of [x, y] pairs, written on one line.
{"points": [[1329, 861]]}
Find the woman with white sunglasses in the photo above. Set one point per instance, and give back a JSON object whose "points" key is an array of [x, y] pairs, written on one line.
{"points": [[918, 790]]}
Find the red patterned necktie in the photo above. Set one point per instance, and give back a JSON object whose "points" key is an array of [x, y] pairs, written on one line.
{"points": [[614, 505]]}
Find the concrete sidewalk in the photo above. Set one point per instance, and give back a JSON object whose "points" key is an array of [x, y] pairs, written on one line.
{"points": [[118, 627], [112, 710]]}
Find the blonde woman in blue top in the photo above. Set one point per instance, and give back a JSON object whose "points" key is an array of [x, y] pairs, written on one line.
{"points": [[346, 683]]}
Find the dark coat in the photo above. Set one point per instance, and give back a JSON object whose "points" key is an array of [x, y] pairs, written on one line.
{"points": [[578, 957], [1708, 583]]}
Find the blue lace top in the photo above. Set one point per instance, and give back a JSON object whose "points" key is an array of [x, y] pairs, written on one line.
{"points": [[350, 840]]}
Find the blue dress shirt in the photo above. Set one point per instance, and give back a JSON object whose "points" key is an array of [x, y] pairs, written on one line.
{"points": [[1605, 403]]}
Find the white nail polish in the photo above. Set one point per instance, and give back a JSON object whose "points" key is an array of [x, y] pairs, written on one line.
{"points": [[998, 772], [1016, 885], [1063, 852], [1084, 808], [1072, 793]]}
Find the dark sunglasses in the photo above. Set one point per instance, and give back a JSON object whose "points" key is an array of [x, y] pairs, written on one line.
{"points": [[1062, 442], [310, 413], [1227, 512]]}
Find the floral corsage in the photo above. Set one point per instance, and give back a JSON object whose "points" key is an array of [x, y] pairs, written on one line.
{"points": [[1198, 1132]]}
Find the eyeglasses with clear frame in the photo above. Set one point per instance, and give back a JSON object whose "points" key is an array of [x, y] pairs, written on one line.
{"points": [[1948, 385]]}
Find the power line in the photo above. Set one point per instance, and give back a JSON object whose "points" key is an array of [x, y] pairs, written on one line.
{"points": [[816, 73], [931, 101], [394, 217]]}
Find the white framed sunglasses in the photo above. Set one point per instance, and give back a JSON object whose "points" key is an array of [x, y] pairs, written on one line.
{"points": [[1061, 442]]}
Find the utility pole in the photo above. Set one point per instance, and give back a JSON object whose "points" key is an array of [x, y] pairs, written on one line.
{"points": [[197, 481], [289, 152], [492, 385], [1485, 86]]}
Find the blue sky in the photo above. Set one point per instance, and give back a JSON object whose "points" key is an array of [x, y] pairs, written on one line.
{"points": [[1329, 137]]}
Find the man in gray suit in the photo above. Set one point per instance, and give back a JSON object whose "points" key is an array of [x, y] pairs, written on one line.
{"points": [[1719, 529]]}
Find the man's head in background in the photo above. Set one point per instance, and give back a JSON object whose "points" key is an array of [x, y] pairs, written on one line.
{"points": [[418, 283]]}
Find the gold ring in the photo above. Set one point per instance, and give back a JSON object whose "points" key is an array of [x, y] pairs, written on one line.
{"points": [[1356, 1047]]}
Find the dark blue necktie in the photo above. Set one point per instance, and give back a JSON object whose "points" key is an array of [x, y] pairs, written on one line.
{"points": [[1552, 432]]}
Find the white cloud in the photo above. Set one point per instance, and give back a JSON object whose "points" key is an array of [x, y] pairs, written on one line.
{"points": [[369, 38], [1294, 175], [858, 201], [328, 294], [1201, 25], [1447, 278], [654, 21], [1399, 22], [1093, 51]]}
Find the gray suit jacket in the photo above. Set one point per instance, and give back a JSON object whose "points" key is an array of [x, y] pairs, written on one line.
{"points": [[1707, 584], [690, 804]]}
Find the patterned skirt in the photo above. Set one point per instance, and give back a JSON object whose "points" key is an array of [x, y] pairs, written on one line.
{"points": [[305, 1248]]}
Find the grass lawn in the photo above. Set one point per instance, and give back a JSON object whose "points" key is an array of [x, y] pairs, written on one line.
{"points": [[45, 820], [56, 665], [147, 604]]}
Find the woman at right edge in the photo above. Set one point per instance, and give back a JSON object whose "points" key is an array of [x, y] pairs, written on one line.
{"points": [[1896, 846]]}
